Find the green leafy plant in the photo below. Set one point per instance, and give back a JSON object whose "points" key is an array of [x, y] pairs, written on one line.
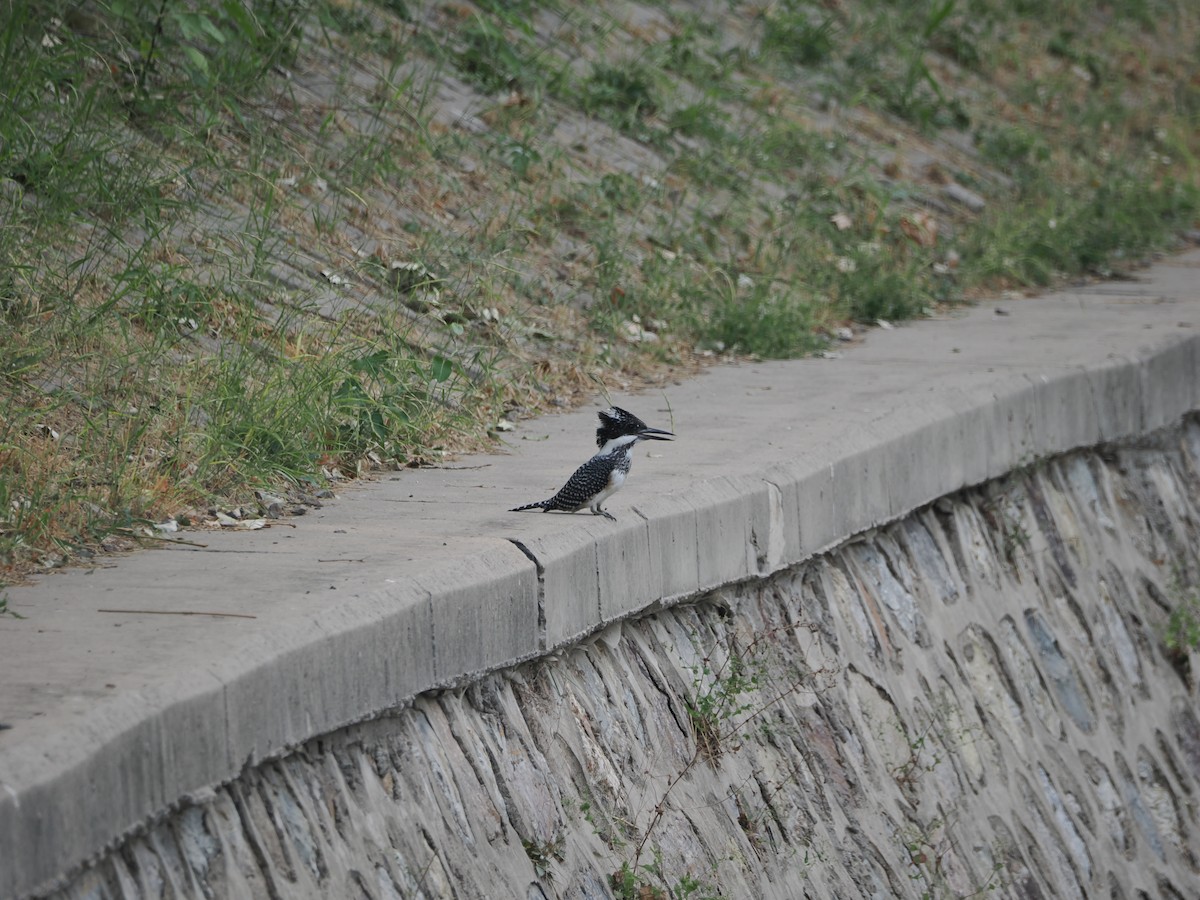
{"points": [[1182, 633], [719, 698], [727, 700], [919, 761], [172, 46], [650, 883], [382, 396], [543, 855]]}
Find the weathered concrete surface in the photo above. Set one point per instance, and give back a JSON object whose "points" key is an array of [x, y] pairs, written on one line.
{"points": [[425, 580], [972, 700]]}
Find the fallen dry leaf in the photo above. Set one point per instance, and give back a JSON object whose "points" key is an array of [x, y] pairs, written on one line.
{"points": [[921, 228]]}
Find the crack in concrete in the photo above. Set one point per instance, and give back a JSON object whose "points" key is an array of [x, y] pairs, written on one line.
{"points": [[541, 589]]}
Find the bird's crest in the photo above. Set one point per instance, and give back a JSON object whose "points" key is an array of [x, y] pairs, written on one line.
{"points": [[616, 422]]}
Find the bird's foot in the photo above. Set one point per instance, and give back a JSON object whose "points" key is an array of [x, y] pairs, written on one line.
{"points": [[607, 515]]}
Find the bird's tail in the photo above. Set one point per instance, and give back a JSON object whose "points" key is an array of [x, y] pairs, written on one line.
{"points": [[541, 504]]}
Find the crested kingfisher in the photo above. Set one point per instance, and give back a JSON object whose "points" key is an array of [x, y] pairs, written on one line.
{"points": [[602, 475]]}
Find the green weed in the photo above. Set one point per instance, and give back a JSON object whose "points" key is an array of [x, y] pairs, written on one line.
{"points": [[769, 318], [624, 95], [917, 95], [1182, 635], [489, 57], [720, 697], [543, 856], [649, 883], [1106, 224], [793, 33]]}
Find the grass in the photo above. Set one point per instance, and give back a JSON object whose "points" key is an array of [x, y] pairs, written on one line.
{"points": [[211, 215]]}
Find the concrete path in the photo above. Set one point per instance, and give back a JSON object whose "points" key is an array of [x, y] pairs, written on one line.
{"points": [[425, 579]]}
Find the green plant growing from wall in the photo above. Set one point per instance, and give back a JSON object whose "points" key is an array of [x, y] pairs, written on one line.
{"points": [[928, 846], [919, 761], [1182, 633], [727, 700], [1183, 626], [719, 697], [630, 884], [543, 855]]}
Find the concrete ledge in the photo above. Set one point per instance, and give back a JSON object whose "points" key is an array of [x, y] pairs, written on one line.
{"points": [[624, 568], [1169, 382], [924, 456], [672, 546], [486, 613], [1116, 394], [239, 651], [725, 515], [297, 681]]}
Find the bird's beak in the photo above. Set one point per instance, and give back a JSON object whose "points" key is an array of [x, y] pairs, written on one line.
{"points": [[655, 434]]}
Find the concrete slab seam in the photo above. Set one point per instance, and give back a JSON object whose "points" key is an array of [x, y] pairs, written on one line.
{"points": [[771, 557]]}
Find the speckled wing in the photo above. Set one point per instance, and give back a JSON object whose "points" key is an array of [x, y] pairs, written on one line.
{"points": [[588, 480]]}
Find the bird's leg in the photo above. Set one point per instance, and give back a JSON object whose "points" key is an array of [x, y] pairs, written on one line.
{"points": [[597, 511]]}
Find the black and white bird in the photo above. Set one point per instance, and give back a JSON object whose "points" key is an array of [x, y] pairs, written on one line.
{"points": [[602, 475]]}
